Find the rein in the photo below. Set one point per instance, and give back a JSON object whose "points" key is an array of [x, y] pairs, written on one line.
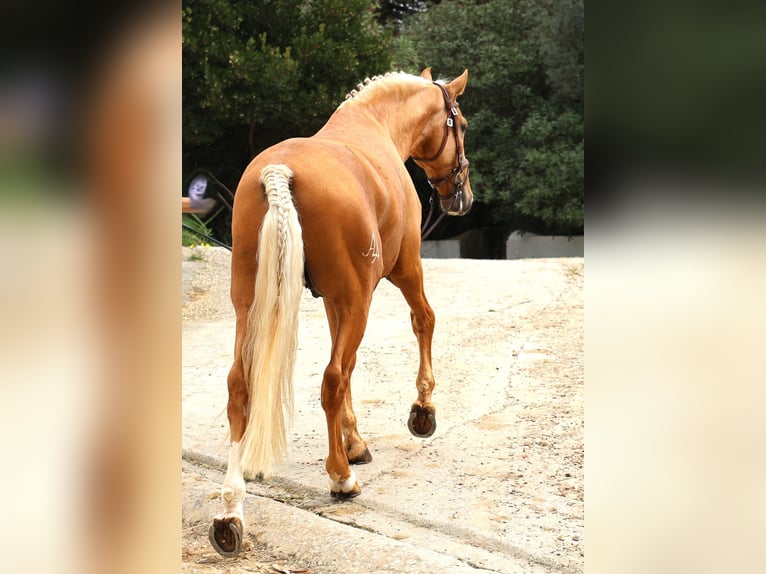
{"points": [[462, 163], [425, 231]]}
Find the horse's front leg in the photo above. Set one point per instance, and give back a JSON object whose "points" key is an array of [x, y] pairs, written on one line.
{"points": [[355, 446], [422, 420], [409, 279]]}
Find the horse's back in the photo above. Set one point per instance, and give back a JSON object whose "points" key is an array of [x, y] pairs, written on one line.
{"points": [[353, 208]]}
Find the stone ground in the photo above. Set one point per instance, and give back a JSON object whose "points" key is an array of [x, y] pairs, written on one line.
{"points": [[498, 488]]}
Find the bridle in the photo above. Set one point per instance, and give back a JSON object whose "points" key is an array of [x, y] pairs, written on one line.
{"points": [[462, 163]]}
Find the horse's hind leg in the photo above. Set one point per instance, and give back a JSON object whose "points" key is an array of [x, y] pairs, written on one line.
{"points": [[227, 531], [408, 277], [354, 445], [347, 323]]}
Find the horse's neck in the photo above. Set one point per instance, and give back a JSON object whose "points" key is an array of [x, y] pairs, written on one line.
{"points": [[389, 124]]}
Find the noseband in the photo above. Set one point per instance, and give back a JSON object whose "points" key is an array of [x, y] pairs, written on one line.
{"points": [[462, 163]]}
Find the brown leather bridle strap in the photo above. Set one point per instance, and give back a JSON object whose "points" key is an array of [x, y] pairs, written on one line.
{"points": [[450, 125], [451, 107], [462, 163]]}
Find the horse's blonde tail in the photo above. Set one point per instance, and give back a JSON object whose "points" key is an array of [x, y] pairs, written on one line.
{"points": [[272, 327]]}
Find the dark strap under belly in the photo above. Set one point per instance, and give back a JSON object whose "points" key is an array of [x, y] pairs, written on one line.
{"points": [[309, 284]]}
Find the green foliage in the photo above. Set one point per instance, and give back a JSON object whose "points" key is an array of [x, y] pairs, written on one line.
{"points": [[189, 237], [393, 11], [259, 72], [524, 101], [256, 73]]}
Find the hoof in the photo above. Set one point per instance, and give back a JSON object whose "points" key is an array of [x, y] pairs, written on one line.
{"points": [[341, 496], [345, 489], [225, 536], [363, 458], [422, 423]]}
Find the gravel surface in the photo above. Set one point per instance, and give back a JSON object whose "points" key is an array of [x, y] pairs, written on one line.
{"points": [[207, 274], [499, 488]]}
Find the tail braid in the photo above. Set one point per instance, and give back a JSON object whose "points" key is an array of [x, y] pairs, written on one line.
{"points": [[272, 332]]}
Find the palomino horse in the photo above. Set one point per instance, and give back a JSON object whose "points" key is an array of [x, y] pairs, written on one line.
{"points": [[335, 212]]}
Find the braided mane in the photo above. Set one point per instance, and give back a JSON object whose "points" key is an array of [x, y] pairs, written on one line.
{"points": [[370, 86]]}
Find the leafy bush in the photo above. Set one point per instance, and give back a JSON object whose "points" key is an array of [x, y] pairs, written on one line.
{"points": [[255, 73], [524, 102]]}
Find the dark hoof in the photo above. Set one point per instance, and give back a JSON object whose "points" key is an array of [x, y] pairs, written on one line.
{"points": [[225, 535], [422, 424], [363, 458], [341, 496]]}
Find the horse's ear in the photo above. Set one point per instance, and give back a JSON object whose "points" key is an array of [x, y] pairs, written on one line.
{"points": [[426, 74], [457, 86]]}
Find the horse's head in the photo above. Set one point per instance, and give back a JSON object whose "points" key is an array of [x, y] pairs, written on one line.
{"points": [[439, 151]]}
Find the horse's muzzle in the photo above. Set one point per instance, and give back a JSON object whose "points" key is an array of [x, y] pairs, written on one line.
{"points": [[458, 203]]}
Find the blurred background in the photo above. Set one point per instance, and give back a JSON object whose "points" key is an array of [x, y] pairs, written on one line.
{"points": [[106, 115], [675, 246], [90, 173]]}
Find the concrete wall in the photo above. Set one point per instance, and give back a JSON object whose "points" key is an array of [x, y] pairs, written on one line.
{"points": [[529, 246], [485, 244], [446, 249]]}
